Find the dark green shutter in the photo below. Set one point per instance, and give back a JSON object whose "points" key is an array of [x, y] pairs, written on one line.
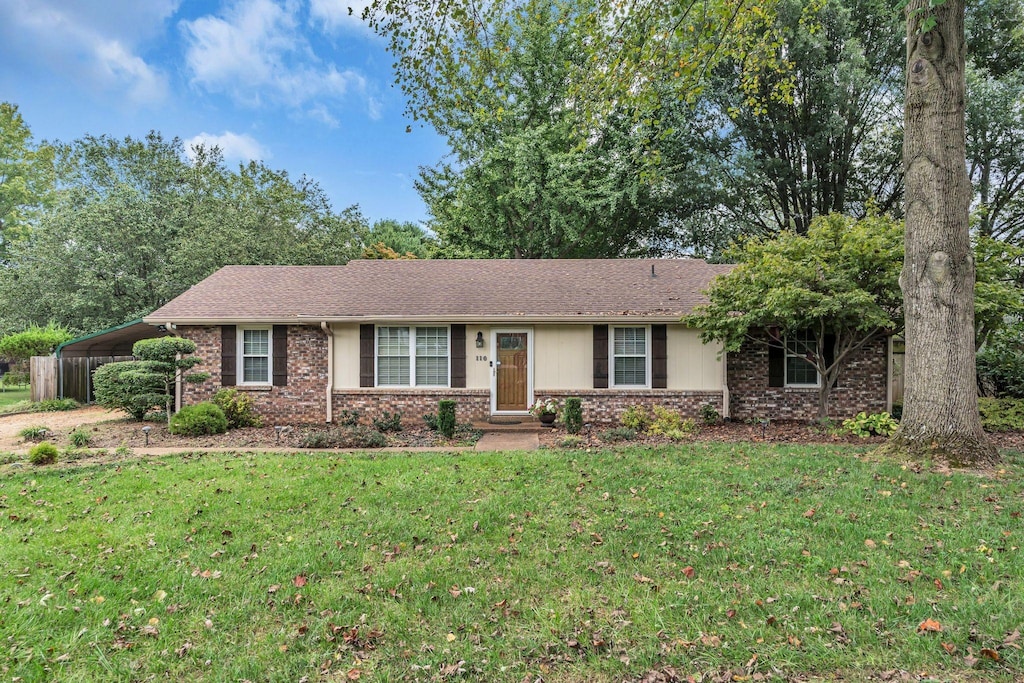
{"points": [[776, 366], [600, 356], [659, 356], [458, 355], [366, 372], [228, 350], [280, 352]]}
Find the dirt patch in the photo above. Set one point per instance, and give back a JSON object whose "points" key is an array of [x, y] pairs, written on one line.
{"points": [[59, 423]]}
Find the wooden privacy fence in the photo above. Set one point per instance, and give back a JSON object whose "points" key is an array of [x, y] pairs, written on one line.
{"points": [[68, 377]]}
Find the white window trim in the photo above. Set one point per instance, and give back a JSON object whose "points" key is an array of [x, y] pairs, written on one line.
{"points": [[412, 358], [240, 357], [611, 357], [786, 355]]}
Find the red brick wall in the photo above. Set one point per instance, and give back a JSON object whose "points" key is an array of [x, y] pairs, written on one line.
{"points": [[862, 386], [605, 406], [470, 404], [302, 400]]}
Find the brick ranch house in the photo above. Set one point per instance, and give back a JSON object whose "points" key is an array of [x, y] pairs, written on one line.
{"points": [[309, 341]]}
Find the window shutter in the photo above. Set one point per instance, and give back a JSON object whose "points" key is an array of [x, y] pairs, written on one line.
{"points": [[280, 352], [600, 356], [457, 353], [830, 354], [659, 356], [366, 356], [776, 366], [228, 351]]}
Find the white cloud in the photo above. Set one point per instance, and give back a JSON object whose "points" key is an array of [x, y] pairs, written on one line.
{"points": [[255, 52], [91, 42], [233, 146], [333, 15]]}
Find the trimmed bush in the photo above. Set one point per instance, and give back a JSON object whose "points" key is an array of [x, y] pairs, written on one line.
{"points": [[238, 408], [197, 420], [446, 417], [709, 414], [1001, 414], [635, 418], [44, 453], [126, 386], [572, 415], [388, 422]]}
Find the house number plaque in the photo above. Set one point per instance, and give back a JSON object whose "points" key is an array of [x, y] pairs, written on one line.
{"points": [[483, 358]]}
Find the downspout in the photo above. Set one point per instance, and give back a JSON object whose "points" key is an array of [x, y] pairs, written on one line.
{"points": [[330, 370], [725, 385]]}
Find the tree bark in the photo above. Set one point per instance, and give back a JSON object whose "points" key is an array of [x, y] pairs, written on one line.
{"points": [[940, 409]]}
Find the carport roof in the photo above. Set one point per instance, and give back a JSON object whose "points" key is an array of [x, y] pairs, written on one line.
{"points": [[113, 341]]}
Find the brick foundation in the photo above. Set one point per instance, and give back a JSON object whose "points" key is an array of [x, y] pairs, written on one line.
{"points": [[861, 386], [470, 404]]}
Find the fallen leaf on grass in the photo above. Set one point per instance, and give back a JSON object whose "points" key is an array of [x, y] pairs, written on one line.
{"points": [[688, 572], [871, 545], [990, 653], [929, 625], [299, 581]]}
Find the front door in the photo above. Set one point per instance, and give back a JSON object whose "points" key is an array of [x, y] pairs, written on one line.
{"points": [[511, 372]]}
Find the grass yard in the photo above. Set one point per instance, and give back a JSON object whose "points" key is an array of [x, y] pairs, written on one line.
{"points": [[705, 560], [12, 398]]}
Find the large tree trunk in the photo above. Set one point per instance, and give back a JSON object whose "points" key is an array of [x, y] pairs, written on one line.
{"points": [[940, 408]]}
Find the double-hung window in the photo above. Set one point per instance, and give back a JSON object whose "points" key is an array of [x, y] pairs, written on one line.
{"points": [[630, 357], [254, 350], [800, 372], [412, 356]]}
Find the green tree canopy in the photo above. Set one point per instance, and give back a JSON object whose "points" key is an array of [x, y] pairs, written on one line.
{"points": [[33, 341], [838, 283], [26, 176]]}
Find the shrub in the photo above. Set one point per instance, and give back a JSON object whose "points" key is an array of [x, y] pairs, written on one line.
{"points": [[431, 420], [359, 436], [686, 430], [1001, 414], [665, 421], [635, 418], [571, 441], [572, 416], [15, 379], [617, 434], [864, 425], [709, 414], [79, 438], [199, 419], [446, 417], [388, 422], [55, 405], [34, 433], [1000, 367], [44, 453], [125, 386], [347, 418], [238, 408]]}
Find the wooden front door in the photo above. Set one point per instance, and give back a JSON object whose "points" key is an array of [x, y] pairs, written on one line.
{"points": [[511, 383]]}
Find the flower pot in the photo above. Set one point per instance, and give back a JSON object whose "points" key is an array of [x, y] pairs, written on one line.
{"points": [[547, 419]]}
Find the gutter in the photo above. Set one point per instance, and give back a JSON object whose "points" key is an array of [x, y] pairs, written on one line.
{"points": [[330, 369]]}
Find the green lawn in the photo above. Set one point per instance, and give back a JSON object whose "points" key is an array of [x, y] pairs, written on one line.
{"points": [[567, 566], [10, 396]]}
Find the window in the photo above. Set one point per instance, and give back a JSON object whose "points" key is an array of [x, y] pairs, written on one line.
{"points": [[412, 356], [255, 355], [629, 357], [800, 372]]}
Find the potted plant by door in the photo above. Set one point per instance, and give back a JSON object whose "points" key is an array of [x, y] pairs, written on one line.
{"points": [[545, 410]]}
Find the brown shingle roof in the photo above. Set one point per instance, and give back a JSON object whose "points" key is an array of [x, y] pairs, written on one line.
{"points": [[443, 290]]}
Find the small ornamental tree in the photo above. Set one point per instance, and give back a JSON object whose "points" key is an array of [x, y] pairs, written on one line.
{"points": [[838, 285], [168, 359], [139, 385]]}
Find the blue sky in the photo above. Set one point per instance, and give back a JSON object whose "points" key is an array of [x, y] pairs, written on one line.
{"points": [[300, 84]]}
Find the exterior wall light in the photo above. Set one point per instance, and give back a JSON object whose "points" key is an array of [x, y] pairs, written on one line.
{"points": [[479, 340]]}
